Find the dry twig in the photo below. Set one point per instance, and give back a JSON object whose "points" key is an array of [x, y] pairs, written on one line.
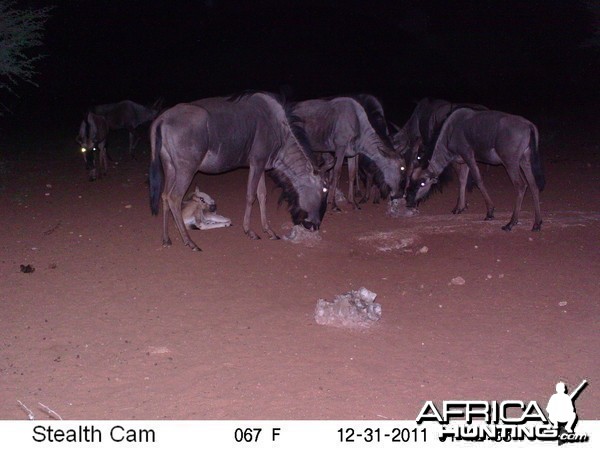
{"points": [[27, 410], [51, 412]]}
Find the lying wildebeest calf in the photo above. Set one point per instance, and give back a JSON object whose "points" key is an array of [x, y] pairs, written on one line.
{"points": [[217, 135], [490, 137], [92, 138], [199, 213]]}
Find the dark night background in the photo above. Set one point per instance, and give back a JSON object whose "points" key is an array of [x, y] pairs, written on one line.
{"points": [[525, 57]]}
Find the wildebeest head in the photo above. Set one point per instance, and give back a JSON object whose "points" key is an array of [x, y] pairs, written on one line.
{"points": [[387, 177], [419, 187], [92, 133], [306, 197], [313, 202], [205, 201], [296, 173]]}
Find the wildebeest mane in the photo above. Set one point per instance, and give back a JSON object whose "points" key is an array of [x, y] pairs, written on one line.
{"points": [[290, 195], [297, 128]]}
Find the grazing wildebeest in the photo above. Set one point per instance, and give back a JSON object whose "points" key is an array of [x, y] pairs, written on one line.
{"points": [[416, 139], [490, 137], [198, 212], [127, 115], [92, 138], [340, 126], [217, 135], [374, 109]]}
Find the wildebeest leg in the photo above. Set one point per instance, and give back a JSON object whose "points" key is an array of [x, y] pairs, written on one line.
{"points": [[262, 204], [251, 190], [463, 174], [409, 171], [410, 166], [368, 187], [357, 187], [520, 185], [335, 179], [479, 181], [535, 193], [176, 183], [352, 177], [169, 173], [102, 159], [376, 195], [133, 141]]}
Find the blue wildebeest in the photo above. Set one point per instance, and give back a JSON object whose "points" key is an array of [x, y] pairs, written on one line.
{"points": [[216, 135], [374, 109], [490, 137], [340, 126], [416, 139], [92, 139], [127, 115]]}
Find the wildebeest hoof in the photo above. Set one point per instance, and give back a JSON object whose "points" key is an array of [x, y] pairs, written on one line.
{"points": [[252, 235], [537, 227], [459, 210], [274, 237], [507, 227], [195, 248], [167, 242], [489, 217]]}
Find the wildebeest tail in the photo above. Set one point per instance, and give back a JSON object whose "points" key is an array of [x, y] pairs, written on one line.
{"points": [[155, 172], [536, 159]]}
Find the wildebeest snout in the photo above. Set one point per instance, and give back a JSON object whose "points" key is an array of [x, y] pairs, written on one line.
{"points": [[310, 226]]}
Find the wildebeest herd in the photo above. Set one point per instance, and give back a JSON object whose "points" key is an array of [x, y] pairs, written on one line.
{"points": [[303, 145]]}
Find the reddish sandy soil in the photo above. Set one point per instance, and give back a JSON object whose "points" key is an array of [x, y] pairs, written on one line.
{"points": [[111, 325]]}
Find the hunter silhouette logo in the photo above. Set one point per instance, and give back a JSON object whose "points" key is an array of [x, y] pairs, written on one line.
{"points": [[561, 410], [509, 420]]}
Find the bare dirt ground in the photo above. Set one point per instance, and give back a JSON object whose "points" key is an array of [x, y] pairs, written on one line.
{"points": [[111, 325]]}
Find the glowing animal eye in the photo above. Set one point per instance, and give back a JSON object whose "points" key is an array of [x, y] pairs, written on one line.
{"points": [[418, 157], [83, 149], [422, 183], [94, 149], [325, 189], [402, 168]]}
